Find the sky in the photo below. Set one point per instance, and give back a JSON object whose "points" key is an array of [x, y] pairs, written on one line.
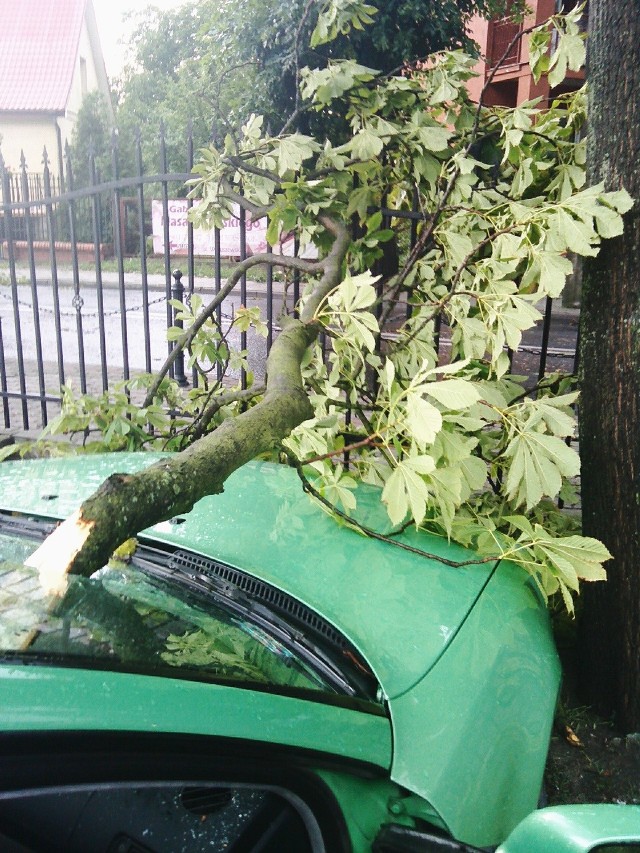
{"points": [[109, 14]]}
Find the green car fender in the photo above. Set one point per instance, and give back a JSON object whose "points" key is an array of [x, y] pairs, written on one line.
{"points": [[366, 804], [471, 737], [577, 829]]}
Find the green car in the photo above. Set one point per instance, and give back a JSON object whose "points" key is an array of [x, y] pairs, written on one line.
{"points": [[254, 676]]}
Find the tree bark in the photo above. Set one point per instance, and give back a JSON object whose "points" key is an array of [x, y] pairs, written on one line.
{"points": [[609, 637]]}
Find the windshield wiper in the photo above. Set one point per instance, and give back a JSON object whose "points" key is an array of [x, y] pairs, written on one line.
{"points": [[300, 630], [264, 610]]}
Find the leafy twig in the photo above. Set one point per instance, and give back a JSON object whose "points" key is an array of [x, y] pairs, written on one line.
{"points": [[382, 537]]}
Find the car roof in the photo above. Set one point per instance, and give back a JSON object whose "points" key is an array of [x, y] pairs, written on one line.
{"points": [[398, 608]]}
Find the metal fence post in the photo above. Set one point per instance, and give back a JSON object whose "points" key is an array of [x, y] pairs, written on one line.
{"points": [[177, 292], [8, 234]]}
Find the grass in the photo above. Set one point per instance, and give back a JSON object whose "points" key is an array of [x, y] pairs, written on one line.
{"points": [[155, 266]]}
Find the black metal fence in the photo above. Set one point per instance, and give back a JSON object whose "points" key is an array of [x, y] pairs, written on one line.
{"points": [[78, 303]]}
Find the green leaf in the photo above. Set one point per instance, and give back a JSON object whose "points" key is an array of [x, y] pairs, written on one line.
{"points": [[520, 522], [538, 52], [550, 270], [174, 333], [459, 245], [293, 150], [424, 421], [433, 138], [537, 464], [326, 84], [555, 413], [405, 490], [388, 375], [11, 449], [453, 393], [575, 233], [447, 493], [366, 144], [620, 200], [359, 201], [363, 328], [570, 53], [608, 222], [339, 16], [474, 472], [575, 557]]}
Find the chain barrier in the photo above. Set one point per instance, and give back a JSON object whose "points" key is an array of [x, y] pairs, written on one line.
{"points": [[78, 303]]}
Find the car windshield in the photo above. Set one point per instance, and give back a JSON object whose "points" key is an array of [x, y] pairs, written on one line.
{"points": [[165, 613]]}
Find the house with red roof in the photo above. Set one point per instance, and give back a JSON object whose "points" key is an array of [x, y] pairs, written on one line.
{"points": [[50, 58]]}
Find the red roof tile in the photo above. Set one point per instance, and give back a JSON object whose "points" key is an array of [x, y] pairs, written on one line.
{"points": [[38, 51]]}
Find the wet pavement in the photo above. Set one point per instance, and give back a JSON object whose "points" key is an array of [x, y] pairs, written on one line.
{"points": [[86, 335]]}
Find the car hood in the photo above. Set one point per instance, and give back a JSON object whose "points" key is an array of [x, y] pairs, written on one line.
{"points": [[399, 610], [470, 728]]}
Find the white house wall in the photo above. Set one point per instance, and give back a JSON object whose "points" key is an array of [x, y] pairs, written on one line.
{"points": [[28, 132], [31, 132], [76, 93]]}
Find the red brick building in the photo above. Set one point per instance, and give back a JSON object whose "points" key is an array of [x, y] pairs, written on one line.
{"points": [[512, 82]]}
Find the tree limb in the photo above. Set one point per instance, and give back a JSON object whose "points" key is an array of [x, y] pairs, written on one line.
{"points": [[199, 427], [242, 165], [125, 504], [385, 537], [242, 201], [185, 340]]}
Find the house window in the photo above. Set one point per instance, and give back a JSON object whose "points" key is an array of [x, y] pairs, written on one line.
{"points": [[503, 46], [83, 76]]}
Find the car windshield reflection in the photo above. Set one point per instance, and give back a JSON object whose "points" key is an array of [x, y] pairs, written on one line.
{"points": [[148, 615]]}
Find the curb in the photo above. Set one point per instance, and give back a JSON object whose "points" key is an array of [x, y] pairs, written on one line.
{"points": [[132, 281]]}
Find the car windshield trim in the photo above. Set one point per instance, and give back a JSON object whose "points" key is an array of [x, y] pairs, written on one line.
{"points": [[68, 661]]}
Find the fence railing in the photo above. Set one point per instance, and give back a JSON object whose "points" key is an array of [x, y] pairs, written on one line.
{"points": [[79, 304]]}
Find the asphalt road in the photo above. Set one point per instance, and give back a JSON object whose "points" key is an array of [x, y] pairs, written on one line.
{"points": [[84, 336], [81, 328]]}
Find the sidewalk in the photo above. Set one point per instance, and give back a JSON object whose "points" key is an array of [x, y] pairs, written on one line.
{"points": [[132, 281]]}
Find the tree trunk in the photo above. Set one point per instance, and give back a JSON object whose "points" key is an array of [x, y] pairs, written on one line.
{"points": [[609, 647]]}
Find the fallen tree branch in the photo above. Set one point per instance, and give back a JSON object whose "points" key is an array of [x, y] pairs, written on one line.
{"points": [[185, 340], [370, 533], [125, 504]]}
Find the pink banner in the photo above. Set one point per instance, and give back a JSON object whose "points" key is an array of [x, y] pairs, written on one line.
{"points": [[203, 239]]}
